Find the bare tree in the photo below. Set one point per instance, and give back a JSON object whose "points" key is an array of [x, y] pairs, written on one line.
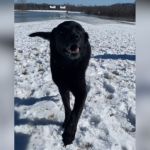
{"points": [[23, 2]]}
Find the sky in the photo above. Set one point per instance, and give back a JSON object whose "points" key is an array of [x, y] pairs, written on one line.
{"points": [[83, 2]]}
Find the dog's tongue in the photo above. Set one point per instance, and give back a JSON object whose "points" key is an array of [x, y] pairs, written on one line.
{"points": [[74, 49]]}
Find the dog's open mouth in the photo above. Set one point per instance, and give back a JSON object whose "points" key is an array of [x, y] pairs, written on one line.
{"points": [[73, 51]]}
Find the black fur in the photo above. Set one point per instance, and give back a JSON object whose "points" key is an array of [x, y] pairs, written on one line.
{"points": [[70, 54]]}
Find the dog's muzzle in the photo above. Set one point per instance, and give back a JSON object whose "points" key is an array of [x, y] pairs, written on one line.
{"points": [[73, 51]]}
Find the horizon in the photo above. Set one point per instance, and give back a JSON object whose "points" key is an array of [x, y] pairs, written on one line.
{"points": [[78, 2]]}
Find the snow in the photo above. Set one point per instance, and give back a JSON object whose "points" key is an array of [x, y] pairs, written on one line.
{"points": [[108, 118], [58, 11]]}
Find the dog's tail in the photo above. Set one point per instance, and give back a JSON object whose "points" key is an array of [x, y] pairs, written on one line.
{"points": [[45, 35]]}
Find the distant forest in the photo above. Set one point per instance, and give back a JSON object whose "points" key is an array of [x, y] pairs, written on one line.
{"points": [[120, 11]]}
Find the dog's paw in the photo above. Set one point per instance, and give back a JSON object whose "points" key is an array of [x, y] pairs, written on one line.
{"points": [[67, 138], [68, 135]]}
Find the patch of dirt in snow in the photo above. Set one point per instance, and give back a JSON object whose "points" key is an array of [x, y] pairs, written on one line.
{"points": [[108, 118]]}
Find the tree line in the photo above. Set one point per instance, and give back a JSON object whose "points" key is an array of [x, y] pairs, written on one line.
{"points": [[124, 11]]}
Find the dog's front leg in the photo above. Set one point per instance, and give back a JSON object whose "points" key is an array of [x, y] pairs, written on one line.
{"points": [[70, 129], [66, 102]]}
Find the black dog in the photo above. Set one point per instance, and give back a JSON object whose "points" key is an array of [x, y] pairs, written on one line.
{"points": [[70, 54]]}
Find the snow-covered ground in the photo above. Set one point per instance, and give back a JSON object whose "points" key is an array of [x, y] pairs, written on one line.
{"points": [[108, 118]]}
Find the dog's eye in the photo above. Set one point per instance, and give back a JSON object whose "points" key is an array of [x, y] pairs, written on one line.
{"points": [[61, 32]]}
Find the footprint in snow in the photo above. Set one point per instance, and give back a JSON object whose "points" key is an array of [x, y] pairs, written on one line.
{"points": [[110, 96], [95, 120], [109, 87], [107, 76], [83, 130], [131, 116], [115, 72]]}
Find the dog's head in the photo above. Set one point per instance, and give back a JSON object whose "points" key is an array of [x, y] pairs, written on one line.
{"points": [[68, 39]]}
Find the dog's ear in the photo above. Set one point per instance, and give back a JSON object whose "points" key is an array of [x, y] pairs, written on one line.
{"points": [[86, 36], [44, 35]]}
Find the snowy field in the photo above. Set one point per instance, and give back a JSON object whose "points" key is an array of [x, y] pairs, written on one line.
{"points": [[108, 118]]}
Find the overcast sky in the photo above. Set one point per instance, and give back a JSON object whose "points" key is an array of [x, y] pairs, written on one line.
{"points": [[83, 2]]}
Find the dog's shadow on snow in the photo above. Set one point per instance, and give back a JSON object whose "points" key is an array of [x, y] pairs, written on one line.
{"points": [[29, 102], [32, 100], [116, 57], [21, 141]]}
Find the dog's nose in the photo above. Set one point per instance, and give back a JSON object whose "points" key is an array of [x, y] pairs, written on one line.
{"points": [[75, 36]]}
